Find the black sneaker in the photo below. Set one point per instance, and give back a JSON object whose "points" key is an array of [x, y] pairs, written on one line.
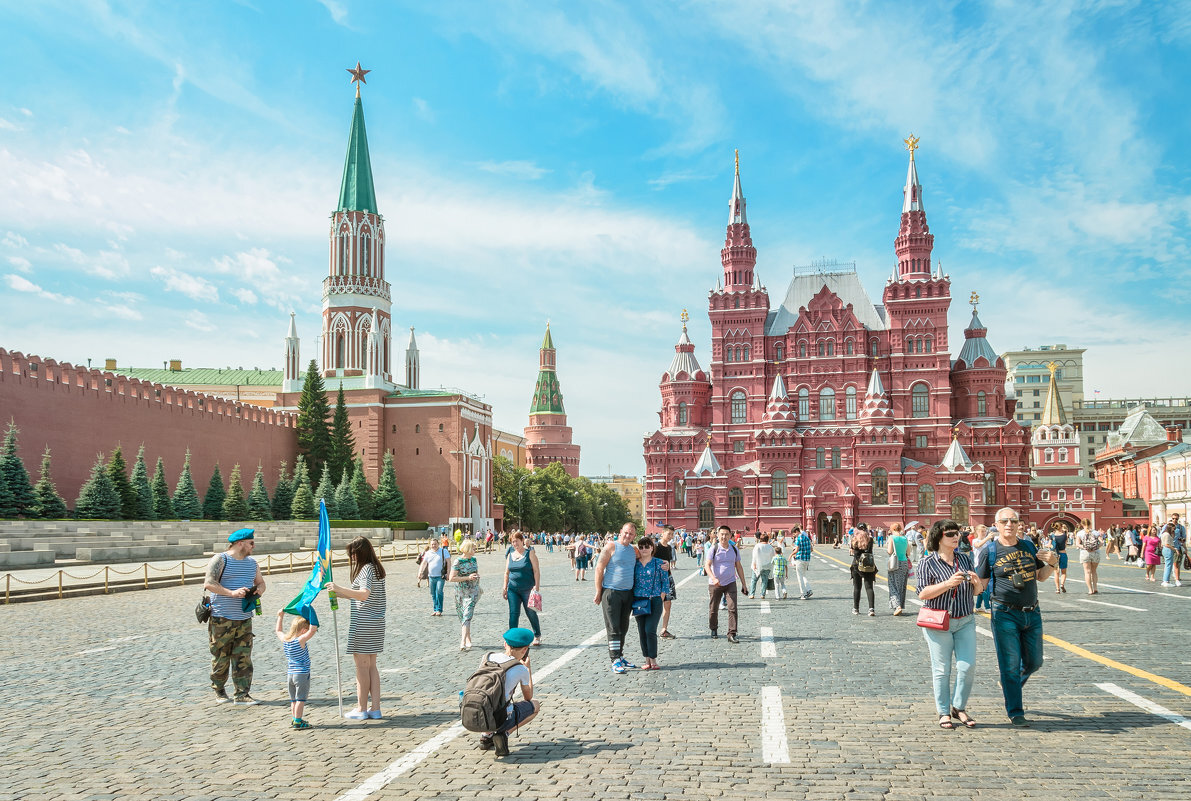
{"points": [[1020, 720], [221, 696], [500, 744], [715, 635], [485, 743]]}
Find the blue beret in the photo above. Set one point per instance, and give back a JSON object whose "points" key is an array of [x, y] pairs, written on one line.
{"points": [[518, 638], [241, 534]]}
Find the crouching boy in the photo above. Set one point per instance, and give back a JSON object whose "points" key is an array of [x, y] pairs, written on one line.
{"points": [[487, 706]]}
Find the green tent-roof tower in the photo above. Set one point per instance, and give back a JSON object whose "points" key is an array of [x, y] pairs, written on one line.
{"points": [[548, 437], [356, 192]]}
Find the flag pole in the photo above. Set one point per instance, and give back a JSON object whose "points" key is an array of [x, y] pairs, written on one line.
{"points": [[335, 626]]}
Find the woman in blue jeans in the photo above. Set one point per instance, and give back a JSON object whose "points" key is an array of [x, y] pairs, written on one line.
{"points": [[522, 576], [946, 581]]}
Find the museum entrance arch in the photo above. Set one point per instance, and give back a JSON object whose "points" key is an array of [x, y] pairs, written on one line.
{"points": [[829, 527]]}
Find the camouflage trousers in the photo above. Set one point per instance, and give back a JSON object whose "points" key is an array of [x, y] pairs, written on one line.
{"points": [[231, 648]]}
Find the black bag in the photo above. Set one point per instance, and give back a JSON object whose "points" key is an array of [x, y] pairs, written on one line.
{"points": [[1186, 561], [483, 705], [769, 583], [865, 563], [642, 607], [202, 612]]}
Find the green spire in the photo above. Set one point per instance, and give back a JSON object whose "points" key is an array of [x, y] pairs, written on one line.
{"points": [[356, 193], [547, 342]]}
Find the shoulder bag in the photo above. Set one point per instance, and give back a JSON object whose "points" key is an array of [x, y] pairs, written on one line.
{"points": [[937, 619], [202, 611]]}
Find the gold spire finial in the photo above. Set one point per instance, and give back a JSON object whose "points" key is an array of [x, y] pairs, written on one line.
{"points": [[911, 144], [358, 76], [974, 300], [1053, 367], [737, 152], [685, 317]]}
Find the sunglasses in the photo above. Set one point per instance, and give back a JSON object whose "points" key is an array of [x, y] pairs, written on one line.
{"points": [[950, 533], [1007, 520]]}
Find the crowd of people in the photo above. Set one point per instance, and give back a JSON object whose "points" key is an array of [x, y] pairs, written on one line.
{"points": [[956, 571]]}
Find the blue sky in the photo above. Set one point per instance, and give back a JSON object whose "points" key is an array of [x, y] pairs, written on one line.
{"points": [[167, 171]]}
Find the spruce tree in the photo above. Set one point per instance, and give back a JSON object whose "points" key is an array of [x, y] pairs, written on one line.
{"points": [[213, 500], [258, 499], [186, 499], [345, 502], [17, 497], [362, 492], [235, 506], [48, 504], [326, 492], [303, 507], [98, 498], [118, 470], [283, 495], [385, 498], [314, 437], [163, 507], [343, 444], [142, 488]]}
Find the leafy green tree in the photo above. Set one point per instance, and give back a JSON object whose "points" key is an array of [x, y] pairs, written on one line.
{"points": [[258, 500], [48, 504], [345, 502], [98, 498], [554, 498], [511, 486], [343, 444], [326, 492], [118, 470], [235, 506], [362, 492], [142, 488], [388, 502], [16, 497], [314, 437], [186, 499], [213, 501], [163, 507], [283, 495]]}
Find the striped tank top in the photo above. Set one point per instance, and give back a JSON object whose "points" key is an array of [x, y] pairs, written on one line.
{"points": [[297, 657], [619, 573], [237, 573]]}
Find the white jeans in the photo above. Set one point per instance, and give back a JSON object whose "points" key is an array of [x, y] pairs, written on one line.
{"points": [[802, 569]]}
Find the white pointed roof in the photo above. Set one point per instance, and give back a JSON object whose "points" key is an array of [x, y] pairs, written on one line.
{"points": [[413, 345], [779, 412], [913, 190], [876, 402], [707, 462], [875, 387], [684, 358], [293, 327], [736, 205], [956, 457], [779, 389]]}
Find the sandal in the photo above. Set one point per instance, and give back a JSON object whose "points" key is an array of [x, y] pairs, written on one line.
{"points": [[945, 722], [963, 717]]}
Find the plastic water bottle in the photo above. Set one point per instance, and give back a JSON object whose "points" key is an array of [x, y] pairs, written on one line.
{"points": [[334, 601], [257, 604]]}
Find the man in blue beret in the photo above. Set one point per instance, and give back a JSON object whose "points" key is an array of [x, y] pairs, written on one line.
{"points": [[517, 713], [233, 576]]}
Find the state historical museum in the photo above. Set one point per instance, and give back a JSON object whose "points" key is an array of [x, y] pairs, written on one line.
{"points": [[829, 409]]}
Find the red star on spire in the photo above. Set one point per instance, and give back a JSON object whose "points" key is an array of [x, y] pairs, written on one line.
{"points": [[358, 76]]}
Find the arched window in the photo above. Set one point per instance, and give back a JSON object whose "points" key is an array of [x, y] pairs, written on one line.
{"points": [[1062, 495], [959, 510], [822, 348], [880, 486], [1079, 495], [747, 351], [804, 404], [779, 351], [1049, 455], [679, 494], [706, 514], [340, 347], [848, 347], [990, 488], [778, 492], [682, 413], [820, 461], [835, 458], [366, 254], [930, 343], [981, 404], [344, 252], [728, 354], [1062, 455], [735, 502], [831, 347], [872, 347], [802, 349], [920, 401], [850, 403], [1046, 495], [739, 407], [926, 499], [917, 291], [827, 404]]}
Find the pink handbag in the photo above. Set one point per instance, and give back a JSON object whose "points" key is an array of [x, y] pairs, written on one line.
{"points": [[535, 601], [938, 619]]}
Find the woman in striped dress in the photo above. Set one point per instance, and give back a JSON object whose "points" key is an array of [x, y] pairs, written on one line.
{"points": [[366, 633]]}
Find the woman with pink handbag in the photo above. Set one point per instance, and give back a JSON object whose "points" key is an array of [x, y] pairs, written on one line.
{"points": [[522, 576], [948, 585]]}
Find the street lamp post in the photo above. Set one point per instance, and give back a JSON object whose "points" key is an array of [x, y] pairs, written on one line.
{"points": [[520, 514]]}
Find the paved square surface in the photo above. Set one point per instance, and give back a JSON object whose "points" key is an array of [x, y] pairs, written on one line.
{"points": [[107, 697]]}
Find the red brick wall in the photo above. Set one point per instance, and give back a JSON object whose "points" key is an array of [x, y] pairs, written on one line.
{"points": [[78, 414]]}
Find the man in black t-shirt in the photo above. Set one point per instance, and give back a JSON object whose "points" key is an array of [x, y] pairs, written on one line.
{"points": [[1015, 567]]}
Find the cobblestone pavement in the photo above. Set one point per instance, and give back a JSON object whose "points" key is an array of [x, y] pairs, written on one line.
{"points": [[107, 697]]}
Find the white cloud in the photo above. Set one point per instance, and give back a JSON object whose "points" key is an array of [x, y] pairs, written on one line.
{"points": [[20, 284], [20, 263], [5, 125], [123, 312], [245, 296], [192, 286], [423, 110], [14, 240], [199, 322], [26, 112], [337, 10], [525, 170]]}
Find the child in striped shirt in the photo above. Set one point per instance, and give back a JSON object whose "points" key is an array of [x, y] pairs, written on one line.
{"points": [[297, 658], [779, 572]]}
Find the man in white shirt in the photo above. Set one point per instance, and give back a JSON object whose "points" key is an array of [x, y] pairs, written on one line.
{"points": [[517, 713], [763, 554]]}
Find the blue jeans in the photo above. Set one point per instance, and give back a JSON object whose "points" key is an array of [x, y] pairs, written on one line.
{"points": [[1167, 564], [1018, 639], [436, 586], [518, 600], [960, 641]]}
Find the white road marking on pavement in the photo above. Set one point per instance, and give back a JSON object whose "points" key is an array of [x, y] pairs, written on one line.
{"points": [[1146, 704], [126, 639], [984, 631], [765, 607], [768, 648], [96, 650], [1139, 592], [774, 748], [1106, 603], [411, 760]]}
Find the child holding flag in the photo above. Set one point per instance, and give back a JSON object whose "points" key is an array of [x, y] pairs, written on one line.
{"points": [[297, 658]]}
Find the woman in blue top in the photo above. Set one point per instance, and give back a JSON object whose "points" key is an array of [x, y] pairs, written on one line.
{"points": [[650, 584], [1058, 544]]}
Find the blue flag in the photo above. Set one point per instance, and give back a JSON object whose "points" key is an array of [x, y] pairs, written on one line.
{"points": [[320, 575]]}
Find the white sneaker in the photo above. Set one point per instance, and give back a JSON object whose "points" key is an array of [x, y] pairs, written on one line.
{"points": [[1167, 584], [1178, 584], [356, 714]]}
